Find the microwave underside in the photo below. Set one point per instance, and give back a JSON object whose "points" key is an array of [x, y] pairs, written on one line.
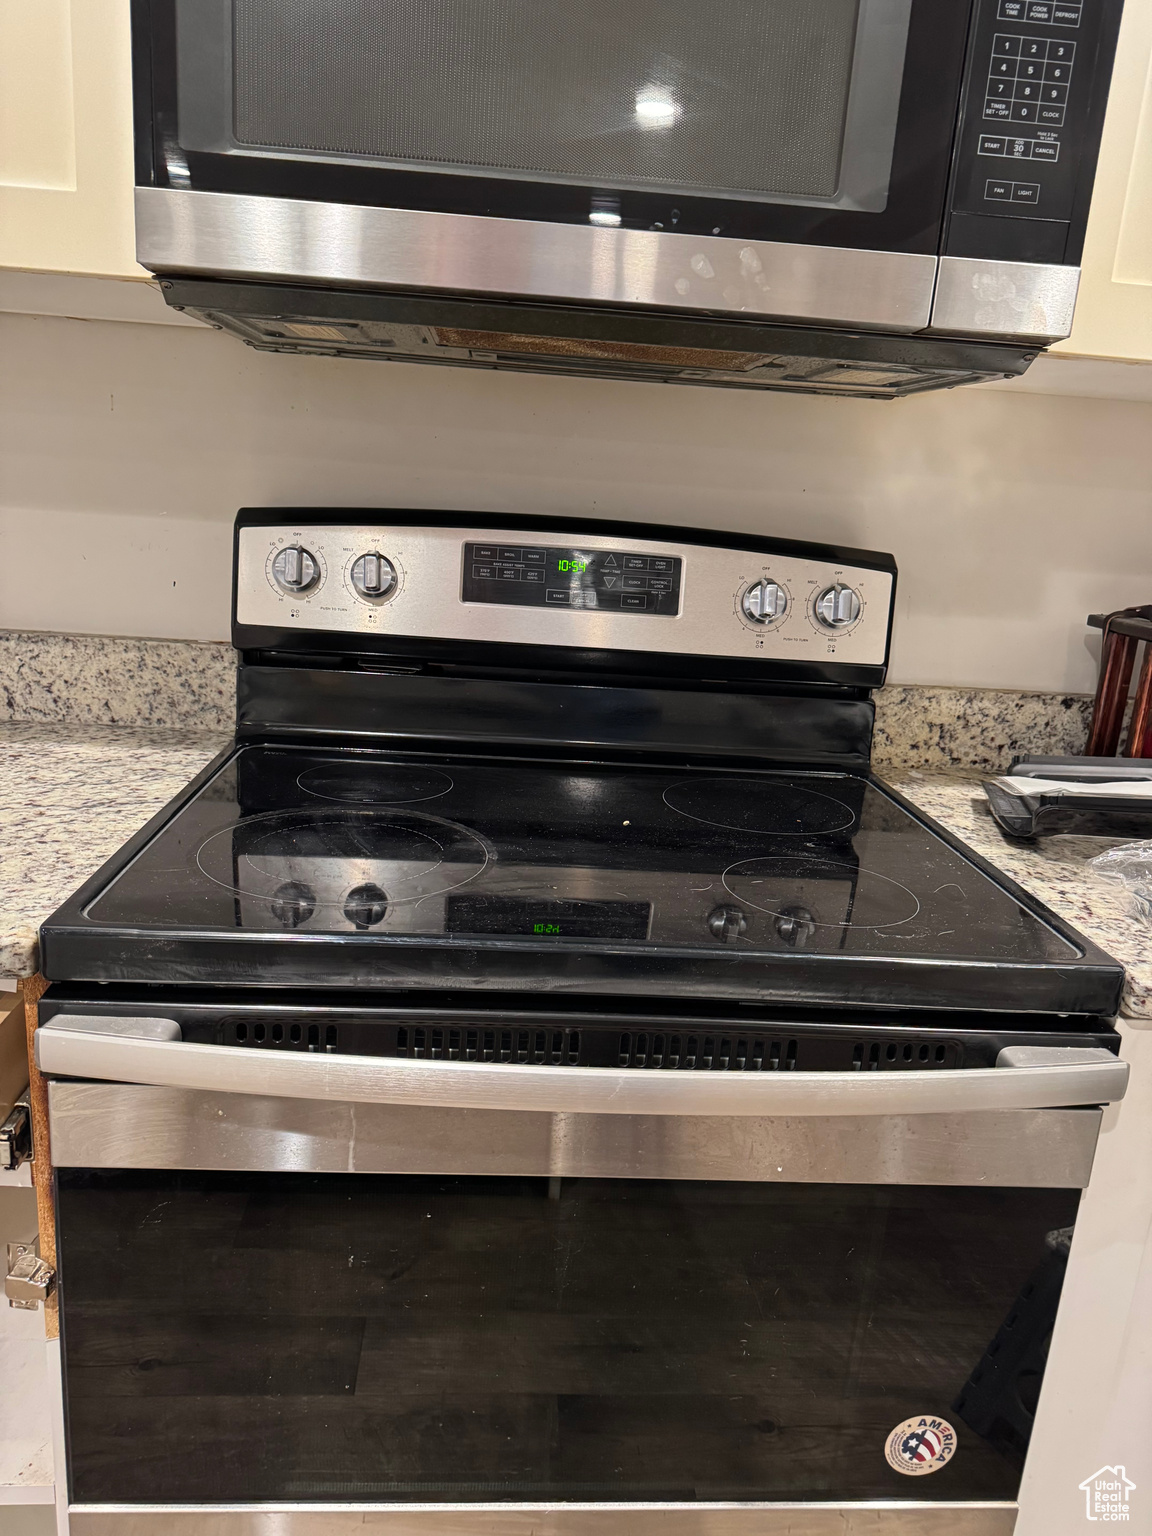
{"points": [[593, 343]]}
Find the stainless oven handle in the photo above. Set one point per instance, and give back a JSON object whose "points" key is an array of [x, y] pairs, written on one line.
{"points": [[138, 1050]]}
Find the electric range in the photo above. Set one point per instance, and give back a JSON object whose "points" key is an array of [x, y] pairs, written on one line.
{"points": [[546, 895]]}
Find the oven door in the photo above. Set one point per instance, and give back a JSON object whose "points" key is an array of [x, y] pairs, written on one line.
{"points": [[341, 1306], [558, 151]]}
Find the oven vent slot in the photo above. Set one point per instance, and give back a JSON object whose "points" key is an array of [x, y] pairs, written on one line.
{"points": [[706, 1052], [536, 1047], [279, 1036], [901, 1055]]}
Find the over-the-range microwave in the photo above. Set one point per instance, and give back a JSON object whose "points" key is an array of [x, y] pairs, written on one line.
{"points": [[868, 197]]}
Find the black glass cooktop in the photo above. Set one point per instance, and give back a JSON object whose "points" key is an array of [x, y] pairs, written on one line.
{"points": [[354, 867]]}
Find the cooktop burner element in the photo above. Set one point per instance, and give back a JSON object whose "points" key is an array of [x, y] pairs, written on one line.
{"points": [[759, 805], [780, 887], [367, 783], [301, 862]]}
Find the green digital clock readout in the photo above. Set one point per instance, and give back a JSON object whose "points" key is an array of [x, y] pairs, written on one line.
{"points": [[577, 567], [545, 927]]}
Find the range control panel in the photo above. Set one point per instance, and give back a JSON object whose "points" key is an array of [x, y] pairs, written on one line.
{"points": [[1030, 85], [561, 589]]}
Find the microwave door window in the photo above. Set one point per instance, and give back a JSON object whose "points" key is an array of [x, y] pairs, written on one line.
{"points": [[784, 101]]}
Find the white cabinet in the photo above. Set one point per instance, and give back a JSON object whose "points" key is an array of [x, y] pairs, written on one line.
{"points": [[66, 137], [1114, 307]]}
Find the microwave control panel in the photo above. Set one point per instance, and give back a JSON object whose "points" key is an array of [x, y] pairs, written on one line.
{"points": [[559, 589], [1036, 71]]}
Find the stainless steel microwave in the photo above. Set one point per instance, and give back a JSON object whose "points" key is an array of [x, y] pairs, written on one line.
{"points": [[868, 197]]}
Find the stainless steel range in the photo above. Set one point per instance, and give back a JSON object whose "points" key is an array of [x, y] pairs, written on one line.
{"points": [[538, 1079]]}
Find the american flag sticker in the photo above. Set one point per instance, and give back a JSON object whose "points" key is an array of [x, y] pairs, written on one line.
{"points": [[920, 1445]]}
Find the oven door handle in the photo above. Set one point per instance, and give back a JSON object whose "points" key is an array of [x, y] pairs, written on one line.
{"points": [[150, 1050]]}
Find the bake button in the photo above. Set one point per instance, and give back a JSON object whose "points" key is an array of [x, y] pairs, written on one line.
{"points": [[483, 572], [531, 575], [1025, 191], [1039, 10], [994, 108], [635, 563], [483, 551], [634, 600], [1066, 15], [535, 557], [1052, 115], [990, 145], [997, 191], [559, 595], [635, 583], [1041, 151]]}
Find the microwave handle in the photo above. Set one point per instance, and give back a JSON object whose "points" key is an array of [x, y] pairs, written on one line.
{"points": [[151, 1051]]}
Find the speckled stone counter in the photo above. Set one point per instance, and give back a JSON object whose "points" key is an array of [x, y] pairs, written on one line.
{"points": [[1051, 868], [70, 795]]}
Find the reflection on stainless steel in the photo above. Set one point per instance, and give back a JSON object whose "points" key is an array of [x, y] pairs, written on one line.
{"points": [[121, 1125], [232, 235], [1085, 1076], [1004, 298], [870, 1518]]}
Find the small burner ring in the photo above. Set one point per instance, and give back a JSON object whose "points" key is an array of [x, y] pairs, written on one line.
{"points": [[870, 889], [356, 782], [759, 806]]}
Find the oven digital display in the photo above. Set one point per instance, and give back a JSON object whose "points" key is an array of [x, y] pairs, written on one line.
{"points": [[600, 580], [547, 919]]}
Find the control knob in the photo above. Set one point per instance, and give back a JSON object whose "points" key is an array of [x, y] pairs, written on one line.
{"points": [[726, 923], [293, 903], [764, 601], [795, 925], [373, 575], [838, 606], [366, 906], [295, 569]]}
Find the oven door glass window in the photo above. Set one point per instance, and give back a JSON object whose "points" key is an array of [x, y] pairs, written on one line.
{"points": [[763, 120], [785, 100], [298, 1338]]}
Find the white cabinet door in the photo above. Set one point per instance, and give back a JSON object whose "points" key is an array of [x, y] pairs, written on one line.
{"points": [[66, 137], [1114, 307]]}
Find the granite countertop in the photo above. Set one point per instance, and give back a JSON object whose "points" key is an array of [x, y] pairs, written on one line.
{"points": [[1051, 868], [70, 795]]}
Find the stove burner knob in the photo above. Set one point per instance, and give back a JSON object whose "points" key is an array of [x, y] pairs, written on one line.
{"points": [[293, 903], [295, 569], [838, 606], [764, 601], [795, 925], [726, 923], [365, 907], [373, 575]]}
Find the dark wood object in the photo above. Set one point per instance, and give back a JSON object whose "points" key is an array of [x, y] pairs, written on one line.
{"points": [[32, 987], [1123, 632]]}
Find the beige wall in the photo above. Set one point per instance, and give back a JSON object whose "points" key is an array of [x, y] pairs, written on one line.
{"points": [[125, 450]]}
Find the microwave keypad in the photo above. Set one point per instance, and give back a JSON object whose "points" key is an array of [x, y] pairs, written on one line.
{"points": [[1028, 79]]}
